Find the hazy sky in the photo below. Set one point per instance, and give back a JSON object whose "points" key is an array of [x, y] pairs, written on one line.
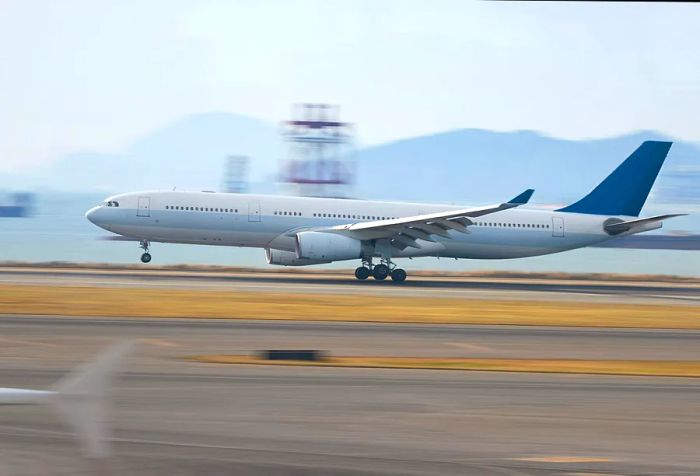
{"points": [[91, 75]]}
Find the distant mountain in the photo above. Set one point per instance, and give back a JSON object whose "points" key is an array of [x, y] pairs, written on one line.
{"points": [[476, 166], [189, 153], [468, 166]]}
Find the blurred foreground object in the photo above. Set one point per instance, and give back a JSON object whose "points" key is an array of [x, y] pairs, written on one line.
{"points": [[320, 146], [80, 398]]}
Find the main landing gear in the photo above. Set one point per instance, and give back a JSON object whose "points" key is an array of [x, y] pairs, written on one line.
{"points": [[146, 256], [381, 271]]}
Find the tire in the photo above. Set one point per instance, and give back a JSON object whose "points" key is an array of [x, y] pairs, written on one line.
{"points": [[380, 272], [362, 273], [398, 275], [146, 258]]}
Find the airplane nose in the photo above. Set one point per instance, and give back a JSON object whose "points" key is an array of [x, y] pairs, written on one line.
{"points": [[90, 214]]}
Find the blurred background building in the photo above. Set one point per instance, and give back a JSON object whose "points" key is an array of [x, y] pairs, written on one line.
{"points": [[319, 160], [236, 170], [16, 204]]}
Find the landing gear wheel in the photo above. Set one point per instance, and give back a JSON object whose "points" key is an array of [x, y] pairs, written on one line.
{"points": [[362, 273], [380, 272], [398, 275], [145, 246]]}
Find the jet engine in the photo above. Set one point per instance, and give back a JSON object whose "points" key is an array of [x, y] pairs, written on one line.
{"points": [[315, 245], [288, 258]]}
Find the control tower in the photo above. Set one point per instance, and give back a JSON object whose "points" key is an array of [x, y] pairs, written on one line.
{"points": [[319, 161]]}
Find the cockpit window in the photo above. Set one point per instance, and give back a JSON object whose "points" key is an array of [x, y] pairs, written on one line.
{"points": [[112, 203]]}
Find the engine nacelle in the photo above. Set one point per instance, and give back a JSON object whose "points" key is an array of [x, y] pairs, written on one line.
{"points": [[315, 245], [288, 258]]}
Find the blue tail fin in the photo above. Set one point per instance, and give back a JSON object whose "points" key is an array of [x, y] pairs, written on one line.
{"points": [[625, 190]]}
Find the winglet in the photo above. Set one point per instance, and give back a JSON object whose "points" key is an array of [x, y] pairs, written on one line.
{"points": [[523, 198]]}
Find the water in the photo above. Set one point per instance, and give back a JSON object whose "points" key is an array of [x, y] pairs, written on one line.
{"points": [[60, 232]]}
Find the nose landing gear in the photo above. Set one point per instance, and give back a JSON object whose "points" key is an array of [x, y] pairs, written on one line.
{"points": [[146, 256]]}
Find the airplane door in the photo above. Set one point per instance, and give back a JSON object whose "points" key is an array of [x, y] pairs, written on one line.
{"points": [[144, 207], [254, 211], [558, 226]]}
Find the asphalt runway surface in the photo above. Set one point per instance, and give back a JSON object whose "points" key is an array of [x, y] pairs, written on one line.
{"points": [[420, 286], [174, 417]]}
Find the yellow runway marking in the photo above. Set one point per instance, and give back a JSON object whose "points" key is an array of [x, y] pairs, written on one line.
{"points": [[592, 474], [654, 368], [470, 347], [564, 459], [159, 342]]}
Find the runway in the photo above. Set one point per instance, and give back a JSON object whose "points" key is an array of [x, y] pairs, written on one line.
{"points": [[420, 286], [181, 418]]}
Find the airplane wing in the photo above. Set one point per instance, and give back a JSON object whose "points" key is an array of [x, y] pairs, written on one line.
{"points": [[403, 232]]}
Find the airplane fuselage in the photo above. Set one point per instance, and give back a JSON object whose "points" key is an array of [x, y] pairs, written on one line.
{"points": [[268, 221]]}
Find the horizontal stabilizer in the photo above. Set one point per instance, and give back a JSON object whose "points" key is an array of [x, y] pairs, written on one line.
{"points": [[653, 242], [623, 226]]}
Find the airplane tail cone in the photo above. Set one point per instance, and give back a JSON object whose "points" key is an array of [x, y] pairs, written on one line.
{"points": [[81, 397]]}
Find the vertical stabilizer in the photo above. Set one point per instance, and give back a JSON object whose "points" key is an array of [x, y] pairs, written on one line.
{"points": [[625, 190]]}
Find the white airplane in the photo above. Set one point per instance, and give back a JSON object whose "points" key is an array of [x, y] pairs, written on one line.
{"points": [[298, 231], [80, 398]]}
